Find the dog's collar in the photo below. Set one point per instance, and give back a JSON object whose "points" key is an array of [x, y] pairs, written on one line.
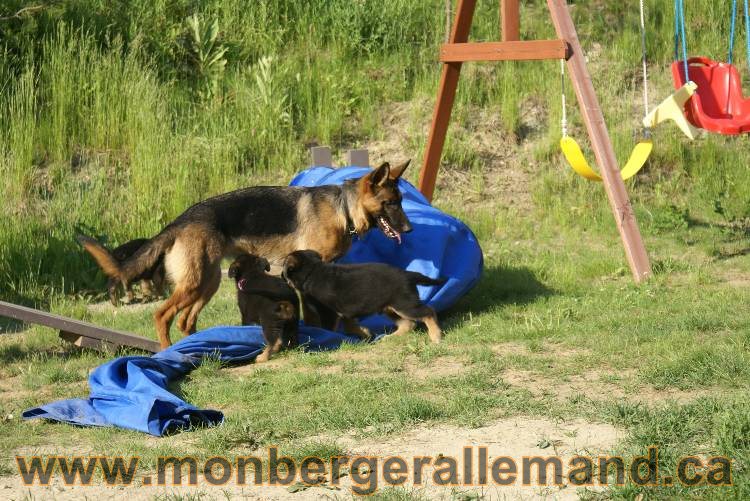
{"points": [[351, 229]]}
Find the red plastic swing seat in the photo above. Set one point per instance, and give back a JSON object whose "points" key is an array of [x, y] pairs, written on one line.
{"points": [[718, 105]]}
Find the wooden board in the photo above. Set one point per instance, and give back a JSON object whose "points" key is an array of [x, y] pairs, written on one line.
{"points": [[70, 328], [510, 20], [358, 158], [321, 156], [635, 250], [504, 51]]}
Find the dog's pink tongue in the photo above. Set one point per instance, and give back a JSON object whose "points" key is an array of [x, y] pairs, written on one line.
{"points": [[241, 284], [398, 238]]}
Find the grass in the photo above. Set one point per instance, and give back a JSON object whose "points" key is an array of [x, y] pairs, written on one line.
{"points": [[109, 125]]}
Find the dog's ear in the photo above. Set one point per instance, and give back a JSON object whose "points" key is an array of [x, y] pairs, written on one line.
{"points": [[379, 176], [291, 262], [234, 270], [266, 264], [399, 169]]}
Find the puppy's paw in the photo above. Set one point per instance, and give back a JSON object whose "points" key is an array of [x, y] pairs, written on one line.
{"points": [[436, 337], [364, 334]]}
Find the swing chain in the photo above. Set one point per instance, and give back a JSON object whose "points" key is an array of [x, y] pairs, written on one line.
{"points": [[679, 35], [732, 31], [564, 121], [643, 59]]}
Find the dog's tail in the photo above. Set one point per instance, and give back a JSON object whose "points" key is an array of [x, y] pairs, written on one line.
{"points": [[143, 259], [419, 279]]}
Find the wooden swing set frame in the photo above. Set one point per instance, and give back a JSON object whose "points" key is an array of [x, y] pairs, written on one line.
{"points": [[459, 50]]}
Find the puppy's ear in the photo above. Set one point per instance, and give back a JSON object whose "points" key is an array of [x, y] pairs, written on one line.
{"points": [[266, 264], [290, 263], [379, 176], [234, 270], [399, 169]]}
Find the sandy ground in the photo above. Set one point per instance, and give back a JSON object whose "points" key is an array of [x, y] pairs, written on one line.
{"points": [[514, 437]]}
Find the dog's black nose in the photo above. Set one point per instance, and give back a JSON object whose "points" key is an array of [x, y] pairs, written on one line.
{"points": [[406, 227]]}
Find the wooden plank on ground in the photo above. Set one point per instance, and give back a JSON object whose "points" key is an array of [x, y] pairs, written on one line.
{"points": [[72, 326]]}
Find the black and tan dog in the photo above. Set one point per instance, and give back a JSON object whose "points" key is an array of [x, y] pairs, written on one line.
{"points": [[357, 290], [151, 279], [267, 221], [268, 301]]}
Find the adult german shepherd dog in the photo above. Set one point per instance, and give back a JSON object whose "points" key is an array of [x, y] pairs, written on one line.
{"points": [[268, 221]]}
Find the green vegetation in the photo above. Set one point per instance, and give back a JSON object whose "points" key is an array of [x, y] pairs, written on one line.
{"points": [[115, 116]]}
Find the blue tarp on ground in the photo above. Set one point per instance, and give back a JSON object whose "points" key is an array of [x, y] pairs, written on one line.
{"points": [[132, 392]]}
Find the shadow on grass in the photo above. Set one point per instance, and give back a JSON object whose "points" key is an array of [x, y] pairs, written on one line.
{"points": [[11, 326], [501, 285]]}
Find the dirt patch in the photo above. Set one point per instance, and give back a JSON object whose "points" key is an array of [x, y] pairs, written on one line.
{"points": [[11, 389], [400, 123], [513, 437], [446, 366], [504, 172], [594, 385], [587, 384], [442, 367], [737, 278]]}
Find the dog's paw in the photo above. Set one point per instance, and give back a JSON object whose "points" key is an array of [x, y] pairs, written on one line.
{"points": [[364, 334]]}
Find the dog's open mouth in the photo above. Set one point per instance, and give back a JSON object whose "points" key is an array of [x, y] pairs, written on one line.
{"points": [[241, 284], [386, 228]]}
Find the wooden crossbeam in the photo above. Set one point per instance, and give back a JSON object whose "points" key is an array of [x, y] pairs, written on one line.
{"points": [[504, 51], [82, 334], [568, 47]]}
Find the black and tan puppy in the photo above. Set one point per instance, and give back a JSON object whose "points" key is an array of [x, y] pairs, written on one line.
{"points": [[151, 279], [269, 221], [357, 290], [268, 301]]}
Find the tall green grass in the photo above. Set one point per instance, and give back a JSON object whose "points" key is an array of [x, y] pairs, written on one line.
{"points": [[102, 126]]}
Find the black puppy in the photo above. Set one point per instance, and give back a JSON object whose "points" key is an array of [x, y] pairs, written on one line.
{"points": [[151, 279], [356, 290], [266, 300], [269, 301]]}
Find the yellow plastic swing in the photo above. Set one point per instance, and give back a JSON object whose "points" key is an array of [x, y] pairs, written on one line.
{"points": [[573, 154], [577, 161], [669, 109]]}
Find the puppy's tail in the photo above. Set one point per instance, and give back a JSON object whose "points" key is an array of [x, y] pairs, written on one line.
{"points": [[419, 279], [143, 259]]}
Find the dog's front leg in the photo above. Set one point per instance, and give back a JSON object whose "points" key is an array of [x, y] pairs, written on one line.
{"points": [[271, 349], [351, 326]]}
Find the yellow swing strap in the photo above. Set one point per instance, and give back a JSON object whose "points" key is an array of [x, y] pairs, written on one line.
{"points": [[577, 161]]}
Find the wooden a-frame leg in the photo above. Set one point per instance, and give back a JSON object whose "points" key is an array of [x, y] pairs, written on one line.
{"points": [[444, 105], [601, 143]]}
